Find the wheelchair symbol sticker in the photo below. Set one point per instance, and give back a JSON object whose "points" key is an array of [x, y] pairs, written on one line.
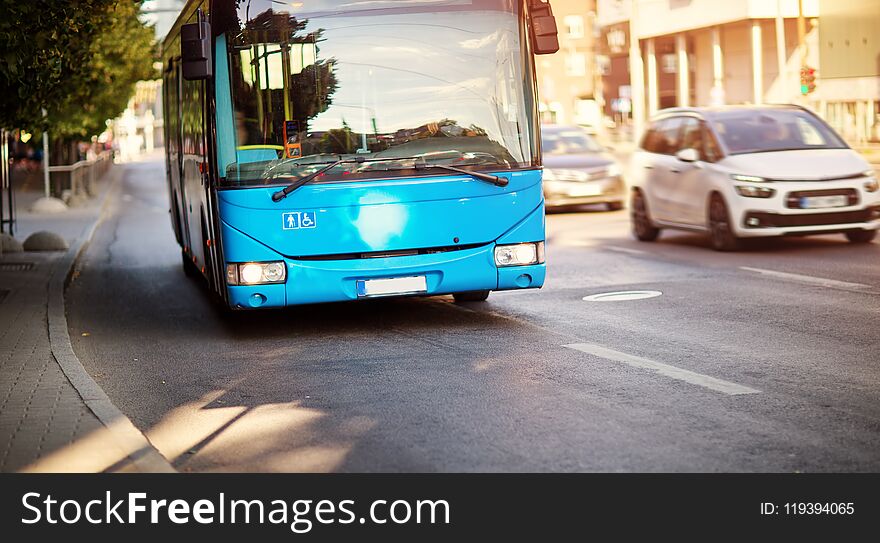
{"points": [[298, 219]]}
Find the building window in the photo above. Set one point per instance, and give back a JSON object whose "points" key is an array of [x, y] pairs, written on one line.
{"points": [[576, 64], [669, 63], [574, 26]]}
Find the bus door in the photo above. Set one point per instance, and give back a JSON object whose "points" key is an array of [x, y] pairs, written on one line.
{"points": [[194, 167], [173, 143]]}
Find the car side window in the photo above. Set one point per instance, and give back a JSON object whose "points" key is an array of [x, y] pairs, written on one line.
{"points": [[649, 140], [711, 149], [692, 135], [668, 135]]}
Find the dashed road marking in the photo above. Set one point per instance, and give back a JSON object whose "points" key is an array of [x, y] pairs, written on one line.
{"points": [[808, 279], [694, 378], [627, 250]]}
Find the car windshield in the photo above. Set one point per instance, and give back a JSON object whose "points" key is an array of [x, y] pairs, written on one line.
{"points": [[315, 81], [761, 131], [568, 142]]}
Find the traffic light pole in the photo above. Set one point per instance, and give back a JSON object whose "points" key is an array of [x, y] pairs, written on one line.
{"points": [[802, 33]]}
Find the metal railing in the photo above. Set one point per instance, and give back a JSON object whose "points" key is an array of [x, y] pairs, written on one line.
{"points": [[7, 196], [80, 177]]}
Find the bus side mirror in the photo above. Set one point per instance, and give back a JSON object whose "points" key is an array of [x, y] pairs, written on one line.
{"points": [[195, 51], [543, 32]]}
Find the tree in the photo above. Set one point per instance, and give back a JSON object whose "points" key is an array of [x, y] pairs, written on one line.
{"points": [[121, 55], [78, 59]]}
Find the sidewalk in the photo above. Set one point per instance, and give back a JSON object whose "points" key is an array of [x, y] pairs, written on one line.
{"points": [[52, 415]]}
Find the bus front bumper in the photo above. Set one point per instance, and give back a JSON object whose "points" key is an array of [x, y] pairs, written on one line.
{"points": [[319, 281]]}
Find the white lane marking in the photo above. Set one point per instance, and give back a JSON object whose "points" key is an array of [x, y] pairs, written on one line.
{"points": [[622, 296], [706, 381], [627, 250], [809, 279]]}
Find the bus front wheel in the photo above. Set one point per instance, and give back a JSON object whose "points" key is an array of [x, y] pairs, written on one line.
{"points": [[189, 268], [471, 296]]}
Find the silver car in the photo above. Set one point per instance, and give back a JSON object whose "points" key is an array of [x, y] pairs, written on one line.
{"points": [[577, 170]]}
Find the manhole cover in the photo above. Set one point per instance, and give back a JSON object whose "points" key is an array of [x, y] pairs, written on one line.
{"points": [[623, 296], [16, 266]]}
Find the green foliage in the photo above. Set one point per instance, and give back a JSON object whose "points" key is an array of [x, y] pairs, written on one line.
{"points": [[79, 59]]}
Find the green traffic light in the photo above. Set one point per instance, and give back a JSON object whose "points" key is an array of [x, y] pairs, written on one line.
{"points": [[805, 90]]}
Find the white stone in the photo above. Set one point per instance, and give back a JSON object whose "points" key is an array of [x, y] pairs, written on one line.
{"points": [[48, 205], [9, 244], [45, 241]]}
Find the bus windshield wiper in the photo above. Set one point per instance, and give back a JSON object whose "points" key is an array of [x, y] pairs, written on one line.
{"points": [[300, 181], [419, 164], [494, 179]]}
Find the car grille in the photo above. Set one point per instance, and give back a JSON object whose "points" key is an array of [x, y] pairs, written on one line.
{"points": [[793, 199], [761, 219], [579, 175]]}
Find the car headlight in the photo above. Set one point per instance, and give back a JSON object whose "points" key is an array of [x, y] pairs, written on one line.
{"points": [[748, 178], [521, 254], [750, 191], [614, 170], [871, 185], [256, 273]]}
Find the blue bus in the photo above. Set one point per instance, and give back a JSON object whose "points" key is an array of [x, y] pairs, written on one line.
{"points": [[333, 150]]}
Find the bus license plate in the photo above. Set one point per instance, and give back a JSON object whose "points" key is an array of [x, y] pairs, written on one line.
{"points": [[818, 202], [391, 287]]}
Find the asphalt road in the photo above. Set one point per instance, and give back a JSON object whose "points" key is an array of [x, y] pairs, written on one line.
{"points": [[733, 368]]}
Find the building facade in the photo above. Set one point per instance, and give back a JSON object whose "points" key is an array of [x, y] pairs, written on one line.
{"points": [[566, 79], [848, 90], [706, 52]]}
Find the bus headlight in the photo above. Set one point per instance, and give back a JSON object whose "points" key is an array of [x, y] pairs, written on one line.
{"points": [[521, 254], [256, 273]]}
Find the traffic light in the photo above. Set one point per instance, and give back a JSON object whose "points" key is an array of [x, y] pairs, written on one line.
{"points": [[808, 80]]}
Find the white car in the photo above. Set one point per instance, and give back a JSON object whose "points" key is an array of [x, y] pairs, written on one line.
{"points": [[750, 171]]}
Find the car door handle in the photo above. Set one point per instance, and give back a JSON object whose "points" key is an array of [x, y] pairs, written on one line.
{"points": [[674, 170], [649, 167]]}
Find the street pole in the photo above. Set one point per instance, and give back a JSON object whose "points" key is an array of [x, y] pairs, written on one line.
{"points": [[802, 46], [780, 51], [598, 90], [45, 157], [802, 33], [636, 74]]}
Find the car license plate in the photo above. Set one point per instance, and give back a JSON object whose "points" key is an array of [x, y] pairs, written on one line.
{"points": [[391, 287], [593, 189], [817, 202]]}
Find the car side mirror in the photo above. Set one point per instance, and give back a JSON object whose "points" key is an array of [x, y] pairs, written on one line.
{"points": [[543, 33], [688, 155], [195, 51]]}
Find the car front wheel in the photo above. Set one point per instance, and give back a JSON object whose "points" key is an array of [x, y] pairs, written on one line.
{"points": [[720, 229], [861, 236], [642, 227]]}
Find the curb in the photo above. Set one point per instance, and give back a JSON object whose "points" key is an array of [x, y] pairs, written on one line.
{"points": [[142, 454]]}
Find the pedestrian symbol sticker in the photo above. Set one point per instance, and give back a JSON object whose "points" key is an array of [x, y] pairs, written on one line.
{"points": [[298, 219]]}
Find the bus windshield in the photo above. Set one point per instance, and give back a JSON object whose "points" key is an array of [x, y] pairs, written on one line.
{"points": [[313, 81]]}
